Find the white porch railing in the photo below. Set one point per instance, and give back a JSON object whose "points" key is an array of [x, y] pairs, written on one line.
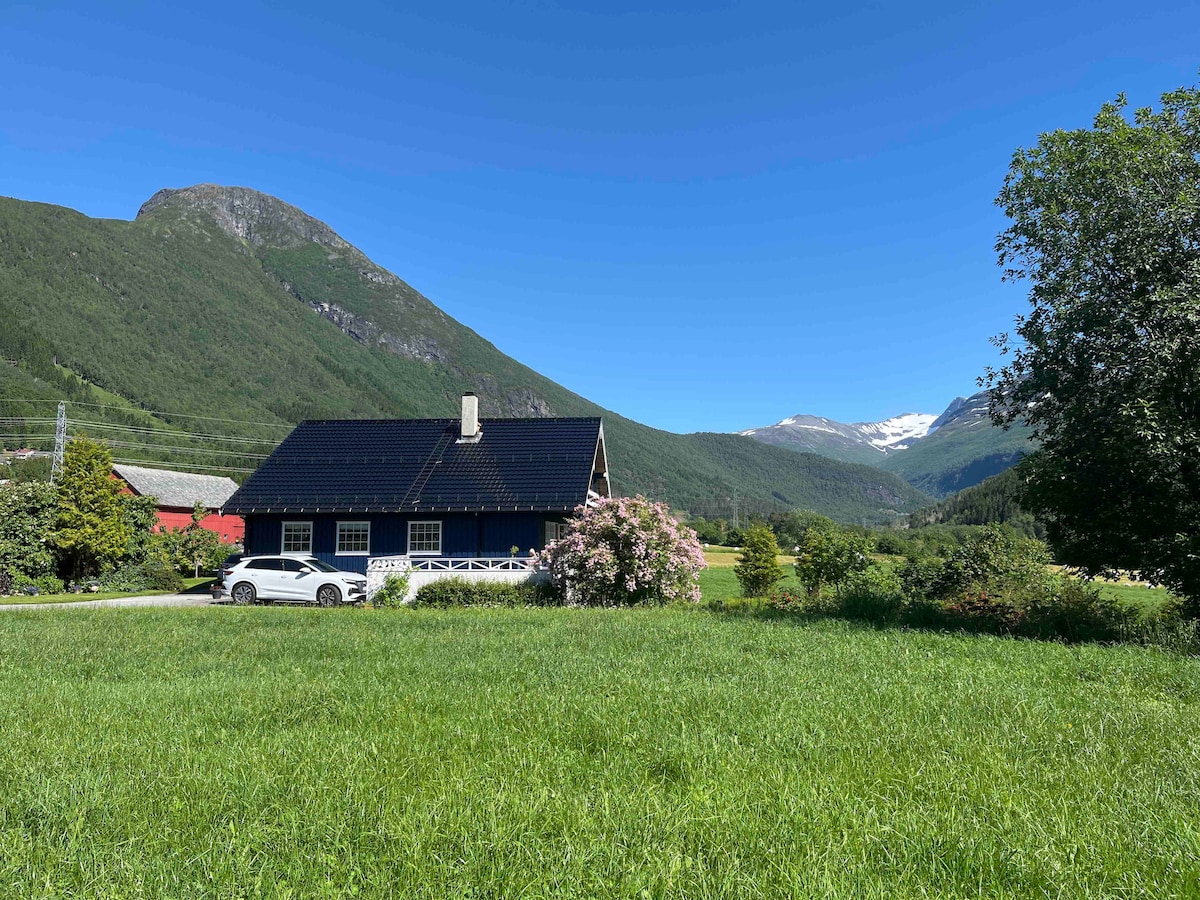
{"points": [[422, 570]]}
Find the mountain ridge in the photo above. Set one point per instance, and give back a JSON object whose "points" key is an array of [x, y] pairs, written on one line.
{"points": [[937, 454], [228, 302]]}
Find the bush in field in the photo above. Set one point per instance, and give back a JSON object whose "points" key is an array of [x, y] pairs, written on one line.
{"points": [[994, 561], [625, 551], [829, 555], [890, 543], [449, 592], [758, 565], [392, 593]]}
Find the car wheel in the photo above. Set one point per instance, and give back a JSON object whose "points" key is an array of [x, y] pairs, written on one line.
{"points": [[328, 595], [243, 593]]}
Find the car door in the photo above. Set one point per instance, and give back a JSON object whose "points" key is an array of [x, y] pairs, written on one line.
{"points": [[264, 574], [299, 581]]}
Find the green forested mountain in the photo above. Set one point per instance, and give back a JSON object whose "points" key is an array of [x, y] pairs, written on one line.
{"points": [[992, 500], [226, 303]]}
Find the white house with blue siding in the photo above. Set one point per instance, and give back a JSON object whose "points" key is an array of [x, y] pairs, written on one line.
{"points": [[424, 495]]}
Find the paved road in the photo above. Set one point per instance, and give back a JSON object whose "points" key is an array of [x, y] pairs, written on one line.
{"points": [[151, 600]]}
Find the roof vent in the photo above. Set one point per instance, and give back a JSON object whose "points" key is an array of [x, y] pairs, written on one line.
{"points": [[470, 430]]}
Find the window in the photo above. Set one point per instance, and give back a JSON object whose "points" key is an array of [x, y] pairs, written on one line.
{"points": [[297, 537], [555, 531], [425, 538], [293, 565], [270, 565], [353, 538]]}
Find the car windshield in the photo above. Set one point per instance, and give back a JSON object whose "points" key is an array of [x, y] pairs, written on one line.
{"points": [[321, 566]]}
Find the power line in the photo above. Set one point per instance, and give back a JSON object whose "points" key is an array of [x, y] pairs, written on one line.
{"points": [[133, 445], [149, 412], [158, 432], [183, 465]]}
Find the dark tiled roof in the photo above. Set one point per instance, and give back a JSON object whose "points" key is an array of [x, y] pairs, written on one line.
{"points": [[416, 465], [178, 489]]}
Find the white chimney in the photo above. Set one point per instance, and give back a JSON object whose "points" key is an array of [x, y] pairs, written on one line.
{"points": [[470, 418]]}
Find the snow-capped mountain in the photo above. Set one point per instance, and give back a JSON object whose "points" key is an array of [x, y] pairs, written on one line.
{"points": [[938, 454], [857, 442]]}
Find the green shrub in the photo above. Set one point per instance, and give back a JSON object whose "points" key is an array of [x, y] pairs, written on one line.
{"points": [[830, 555], [392, 593], [890, 543], [45, 584], [872, 596], [449, 592], [6, 584], [758, 565], [151, 575], [1075, 611]]}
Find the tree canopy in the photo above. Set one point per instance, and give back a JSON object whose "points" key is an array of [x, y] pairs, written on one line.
{"points": [[1105, 367], [91, 533]]}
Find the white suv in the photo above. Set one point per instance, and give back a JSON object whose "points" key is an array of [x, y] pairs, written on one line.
{"points": [[303, 579]]}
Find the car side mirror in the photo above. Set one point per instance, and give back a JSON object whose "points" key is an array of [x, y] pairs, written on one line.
{"points": [[305, 570]]}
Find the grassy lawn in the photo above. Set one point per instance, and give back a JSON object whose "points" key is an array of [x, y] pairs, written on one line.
{"points": [[229, 752]]}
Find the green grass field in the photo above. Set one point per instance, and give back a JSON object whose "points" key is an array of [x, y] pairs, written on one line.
{"points": [[231, 752]]}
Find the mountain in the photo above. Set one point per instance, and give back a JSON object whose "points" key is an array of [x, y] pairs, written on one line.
{"points": [[992, 500], [863, 442], [963, 450], [937, 454], [235, 307]]}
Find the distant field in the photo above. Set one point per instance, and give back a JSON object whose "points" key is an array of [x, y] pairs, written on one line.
{"points": [[727, 557], [230, 752]]}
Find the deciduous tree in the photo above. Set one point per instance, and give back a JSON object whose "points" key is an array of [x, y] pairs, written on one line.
{"points": [[1106, 365]]}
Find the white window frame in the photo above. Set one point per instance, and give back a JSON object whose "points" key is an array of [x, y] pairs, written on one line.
{"points": [[283, 539], [555, 531], [358, 525], [437, 552]]}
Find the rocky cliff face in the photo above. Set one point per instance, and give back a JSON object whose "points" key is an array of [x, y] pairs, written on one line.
{"points": [[248, 215]]}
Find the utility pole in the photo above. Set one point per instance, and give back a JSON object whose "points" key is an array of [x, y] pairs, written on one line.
{"points": [[736, 520], [60, 442]]}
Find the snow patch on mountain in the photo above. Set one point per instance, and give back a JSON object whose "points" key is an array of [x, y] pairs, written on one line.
{"points": [[886, 435]]}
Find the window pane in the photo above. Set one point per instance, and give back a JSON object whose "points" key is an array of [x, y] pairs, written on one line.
{"points": [[297, 537], [424, 537], [354, 537]]}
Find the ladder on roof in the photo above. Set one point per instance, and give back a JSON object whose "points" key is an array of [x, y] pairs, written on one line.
{"points": [[413, 495]]}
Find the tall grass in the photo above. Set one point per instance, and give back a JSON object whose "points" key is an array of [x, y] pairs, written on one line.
{"points": [[584, 753]]}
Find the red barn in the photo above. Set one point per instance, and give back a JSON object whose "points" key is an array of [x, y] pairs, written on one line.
{"points": [[176, 494]]}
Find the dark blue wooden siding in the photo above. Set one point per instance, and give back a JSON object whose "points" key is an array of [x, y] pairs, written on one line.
{"points": [[463, 534]]}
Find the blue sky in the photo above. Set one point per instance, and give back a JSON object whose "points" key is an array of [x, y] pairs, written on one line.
{"points": [[704, 216]]}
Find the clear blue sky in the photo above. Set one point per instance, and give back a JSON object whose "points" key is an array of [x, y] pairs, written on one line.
{"points": [[705, 216]]}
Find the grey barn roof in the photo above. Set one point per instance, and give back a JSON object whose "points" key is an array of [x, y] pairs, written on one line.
{"points": [[178, 489], [418, 465]]}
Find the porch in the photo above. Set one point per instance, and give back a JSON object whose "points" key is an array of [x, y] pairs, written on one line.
{"points": [[422, 570]]}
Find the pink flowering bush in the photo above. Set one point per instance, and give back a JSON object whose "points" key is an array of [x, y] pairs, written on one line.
{"points": [[624, 551]]}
